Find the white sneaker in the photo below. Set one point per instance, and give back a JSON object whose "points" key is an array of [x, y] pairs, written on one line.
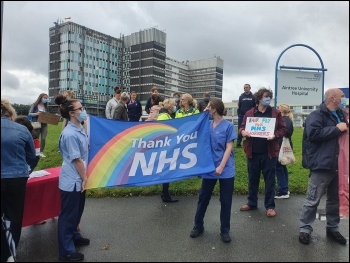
{"points": [[282, 196], [42, 155], [10, 259]]}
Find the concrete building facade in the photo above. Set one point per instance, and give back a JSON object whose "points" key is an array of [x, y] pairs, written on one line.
{"points": [[92, 63]]}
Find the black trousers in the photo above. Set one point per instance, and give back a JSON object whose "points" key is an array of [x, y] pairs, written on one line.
{"points": [[13, 192]]}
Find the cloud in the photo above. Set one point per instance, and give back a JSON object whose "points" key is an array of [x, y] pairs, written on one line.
{"points": [[248, 36]]}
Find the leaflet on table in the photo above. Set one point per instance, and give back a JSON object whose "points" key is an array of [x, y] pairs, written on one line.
{"points": [[39, 173]]}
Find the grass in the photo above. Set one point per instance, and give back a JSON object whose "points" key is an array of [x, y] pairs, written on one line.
{"points": [[298, 176]]}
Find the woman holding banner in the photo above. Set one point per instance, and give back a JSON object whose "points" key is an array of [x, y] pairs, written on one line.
{"points": [[169, 107], [222, 135], [73, 145]]}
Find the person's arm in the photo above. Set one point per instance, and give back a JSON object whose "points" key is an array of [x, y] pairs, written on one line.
{"points": [[290, 128], [108, 110], [80, 166], [118, 113], [281, 128], [241, 130], [31, 111], [227, 153], [139, 109], [29, 148], [148, 106], [239, 106]]}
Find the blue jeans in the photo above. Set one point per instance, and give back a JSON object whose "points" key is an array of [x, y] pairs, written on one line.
{"points": [[226, 192], [261, 162], [320, 183], [282, 179]]}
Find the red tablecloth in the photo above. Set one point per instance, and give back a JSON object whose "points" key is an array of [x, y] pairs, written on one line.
{"points": [[43, 198]]}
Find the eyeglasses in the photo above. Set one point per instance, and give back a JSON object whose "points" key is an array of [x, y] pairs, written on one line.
{"points": [[81, 109]]}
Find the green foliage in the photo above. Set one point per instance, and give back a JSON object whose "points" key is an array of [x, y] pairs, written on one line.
{"points": [[298, 176], [21, 109]]}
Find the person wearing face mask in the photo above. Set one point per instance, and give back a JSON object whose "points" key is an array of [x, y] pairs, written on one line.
{"points": [[262, 153], [73, 145], [168, 107], [40, 105], [320, 150]]}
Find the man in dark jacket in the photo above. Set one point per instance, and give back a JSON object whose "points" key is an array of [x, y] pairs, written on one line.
{"points": [[320, 154], [204, 103], [262, 153], [245, 102]]}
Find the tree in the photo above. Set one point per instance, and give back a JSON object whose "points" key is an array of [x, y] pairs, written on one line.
{"points": [[21, 109]]}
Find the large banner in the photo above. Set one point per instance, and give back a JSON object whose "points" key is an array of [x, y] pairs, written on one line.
{"points": [[147, 153]]}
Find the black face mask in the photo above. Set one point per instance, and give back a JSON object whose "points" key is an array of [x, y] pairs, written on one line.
{"points": [[206, 100]]}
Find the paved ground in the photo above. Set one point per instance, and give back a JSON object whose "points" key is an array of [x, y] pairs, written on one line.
{"points": [[145, 229]]}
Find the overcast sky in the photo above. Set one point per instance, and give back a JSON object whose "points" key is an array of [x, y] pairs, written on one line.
{"points": [[248, 36]]}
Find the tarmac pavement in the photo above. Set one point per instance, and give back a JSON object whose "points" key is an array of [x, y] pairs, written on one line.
{"points": [[144, 229]]}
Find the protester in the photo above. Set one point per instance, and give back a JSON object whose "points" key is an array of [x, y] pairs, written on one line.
{"points": [[262, 153], [40, 105], [17, 151], [169, 106], [112, 103], [73, 146], [222, 135], [155, 108], [246, 101], [281, 170], [149, 104], [188, 106], [202, 105], [320, 146], [121, 111], [134, 107]]}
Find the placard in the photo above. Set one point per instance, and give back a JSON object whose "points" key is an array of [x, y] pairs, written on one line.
{"points": [[46, 117], [260, 127]]}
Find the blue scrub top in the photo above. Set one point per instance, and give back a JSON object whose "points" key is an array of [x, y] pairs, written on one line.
{"points": [[223, 133], [73, 144]]}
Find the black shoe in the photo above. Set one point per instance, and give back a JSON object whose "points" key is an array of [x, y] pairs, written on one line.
{"points": [[304, 238], [225, 237], [239, 146], [196, 232], [337, 237], [169, 199], [82, 241], [73, 257]]}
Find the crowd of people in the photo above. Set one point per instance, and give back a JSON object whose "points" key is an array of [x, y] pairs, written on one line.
{"points": [[320, 147]]}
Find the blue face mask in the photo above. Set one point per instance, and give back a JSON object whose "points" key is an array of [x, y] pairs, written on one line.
{"points": [[44, 100], [82, 116], [266, 101], [342, 103]]}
